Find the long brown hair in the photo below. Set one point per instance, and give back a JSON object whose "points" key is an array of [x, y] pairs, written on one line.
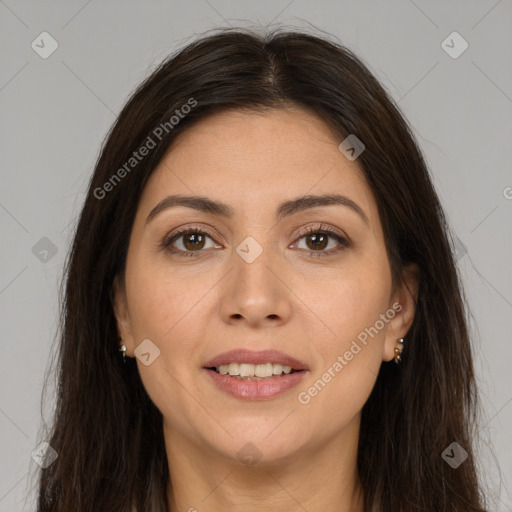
{"points": [[107, 431]]}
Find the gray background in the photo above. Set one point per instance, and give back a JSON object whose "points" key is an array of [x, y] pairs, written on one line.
{"points": [[55, 113]]}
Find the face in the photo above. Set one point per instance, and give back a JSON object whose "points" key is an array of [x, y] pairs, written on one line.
{"points": [[283, 281]]}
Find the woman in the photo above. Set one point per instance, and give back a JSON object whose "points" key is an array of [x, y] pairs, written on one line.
{"points": [[262, 310]]}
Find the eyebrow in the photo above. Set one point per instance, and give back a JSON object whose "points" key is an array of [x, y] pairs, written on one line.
{"points": [[285, 209]]}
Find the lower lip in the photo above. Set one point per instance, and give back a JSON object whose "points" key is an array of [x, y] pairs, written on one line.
{"points": [[264, 389]]}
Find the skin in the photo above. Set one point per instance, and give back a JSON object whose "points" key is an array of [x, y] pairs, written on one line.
{"points": [[194, 308]]}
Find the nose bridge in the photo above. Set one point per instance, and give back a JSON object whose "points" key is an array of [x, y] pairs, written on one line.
{"points": [[257, 249], [253, 290], [253, 260]]}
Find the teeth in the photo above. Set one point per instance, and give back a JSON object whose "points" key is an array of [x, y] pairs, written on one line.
{"points": [[264, 370], [253, 370], [277, 369], [232, 368], [246, 370]]}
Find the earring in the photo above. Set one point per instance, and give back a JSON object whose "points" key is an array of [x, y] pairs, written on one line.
{"points": [[123, 350], [398, 349]]}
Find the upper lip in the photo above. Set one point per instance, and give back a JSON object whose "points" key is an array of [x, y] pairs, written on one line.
{"points": [[242, 355]]}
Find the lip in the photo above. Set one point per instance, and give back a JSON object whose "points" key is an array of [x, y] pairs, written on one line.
{"points": [[264, 389], [242, 355]]}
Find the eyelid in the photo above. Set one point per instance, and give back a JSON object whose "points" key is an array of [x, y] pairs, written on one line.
{"points": [[325, 228], [190, 229]]}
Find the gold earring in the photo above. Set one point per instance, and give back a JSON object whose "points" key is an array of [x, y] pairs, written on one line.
{"points": [[398, 349]]}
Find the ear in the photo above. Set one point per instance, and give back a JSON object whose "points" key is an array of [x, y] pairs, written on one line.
{"points": [[120, 308], [403, 302]]}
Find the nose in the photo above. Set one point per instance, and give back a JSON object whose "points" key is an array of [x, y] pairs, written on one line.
{"points": [[255, 291]]}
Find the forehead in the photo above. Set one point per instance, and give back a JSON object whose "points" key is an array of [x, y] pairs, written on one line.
{"points": [[251, 159], [277, 134]]}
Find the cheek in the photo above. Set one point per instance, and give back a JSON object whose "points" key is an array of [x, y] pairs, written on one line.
{"points": [[351, 351], [353, 307], [160, 302], [169, 315]]}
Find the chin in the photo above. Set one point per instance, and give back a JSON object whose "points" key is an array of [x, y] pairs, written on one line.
{"points": [[262, 443]]}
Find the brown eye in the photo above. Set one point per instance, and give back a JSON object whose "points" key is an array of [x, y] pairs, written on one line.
{"points": [[188, 241], [318, 239], [193, 241]]}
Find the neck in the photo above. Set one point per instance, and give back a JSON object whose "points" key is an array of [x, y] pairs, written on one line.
{"points": [[315, 479]]}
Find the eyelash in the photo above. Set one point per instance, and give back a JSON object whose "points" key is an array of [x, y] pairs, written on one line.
{"points": [[321, 230]]}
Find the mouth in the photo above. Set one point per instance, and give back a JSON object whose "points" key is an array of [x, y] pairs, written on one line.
{"points": [[261, 364], [248, 371], [250, 375]]}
